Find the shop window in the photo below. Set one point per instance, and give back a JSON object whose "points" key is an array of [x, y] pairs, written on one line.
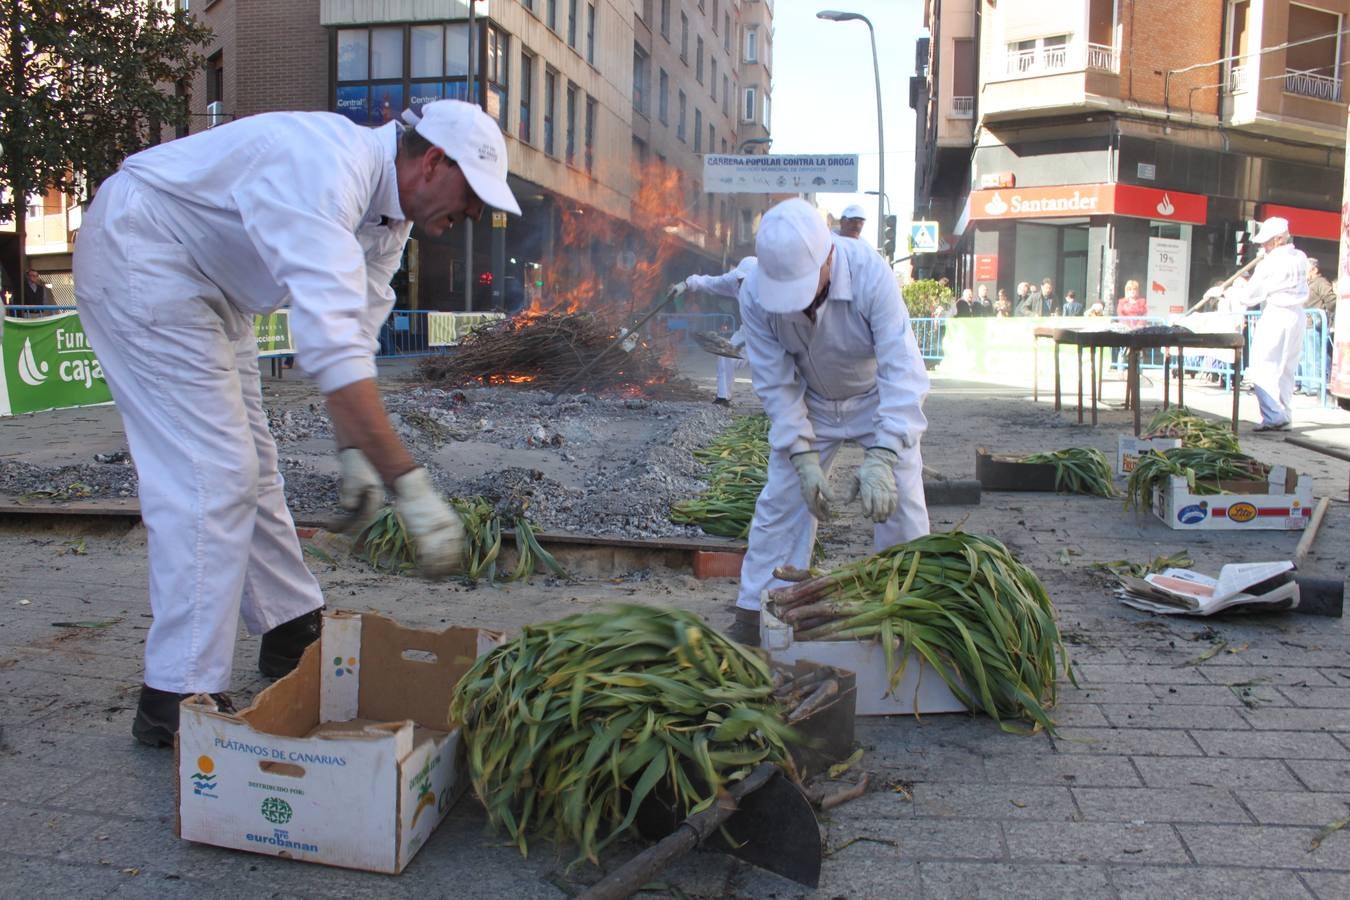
{"points": [[382, 69]]}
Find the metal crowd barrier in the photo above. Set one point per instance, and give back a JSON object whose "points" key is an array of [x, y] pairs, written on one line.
{"points": [[687, 325]]}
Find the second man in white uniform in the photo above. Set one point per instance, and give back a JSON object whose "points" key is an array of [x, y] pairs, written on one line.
{"points": [[833, 359]]}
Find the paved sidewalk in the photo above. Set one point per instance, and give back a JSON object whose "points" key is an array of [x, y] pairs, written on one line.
{"points": [[1195, 758]]}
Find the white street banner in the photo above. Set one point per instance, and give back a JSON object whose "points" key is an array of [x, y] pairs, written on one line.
{"points": [[1169, 264], [827, 174]]}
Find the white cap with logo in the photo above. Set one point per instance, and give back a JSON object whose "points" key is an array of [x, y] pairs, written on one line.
{"points": [[1271, 229], [791, 245], [853, 211], [472, 139]]}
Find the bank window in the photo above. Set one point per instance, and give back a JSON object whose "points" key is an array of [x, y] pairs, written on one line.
{"points": [[679, 123], [698, 131], [526, 94], [370, 82], [498, 75], [748, 107], [1313, 69], [663, 98], [571, 114], [590, 134], [550, 110], [752, 44]]}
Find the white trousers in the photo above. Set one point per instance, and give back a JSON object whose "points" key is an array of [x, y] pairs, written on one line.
{"points": [[726, 368], [1277, 342], [182, 365], [783, 530]]}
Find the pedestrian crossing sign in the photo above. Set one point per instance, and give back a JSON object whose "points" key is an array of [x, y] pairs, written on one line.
{"points": [[923, 237]]}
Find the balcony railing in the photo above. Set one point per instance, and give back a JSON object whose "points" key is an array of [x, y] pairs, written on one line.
{"points": [[1062, 57], [1237, 79], [1103, 58], [1310, 84], [963, 107]]}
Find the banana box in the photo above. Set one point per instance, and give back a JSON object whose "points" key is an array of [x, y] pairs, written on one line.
{"points": [[350, 760]]}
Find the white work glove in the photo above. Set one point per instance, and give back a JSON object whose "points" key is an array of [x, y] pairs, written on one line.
{"points": [[875, 483], [677, 289], [815, 489], [361, 492], [1213, 293], [436, 529]]}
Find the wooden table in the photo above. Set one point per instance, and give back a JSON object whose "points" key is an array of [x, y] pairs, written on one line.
{"points": [[1134, 344]]}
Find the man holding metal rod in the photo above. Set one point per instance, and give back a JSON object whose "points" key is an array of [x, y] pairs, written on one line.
{"points": [[833, 359]]}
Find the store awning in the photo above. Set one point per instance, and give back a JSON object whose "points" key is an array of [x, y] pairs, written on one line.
{"points": [[1310, 223], [1076, 200]]}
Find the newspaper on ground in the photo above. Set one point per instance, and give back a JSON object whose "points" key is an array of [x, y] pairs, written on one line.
{"points": [[1256, 587]]}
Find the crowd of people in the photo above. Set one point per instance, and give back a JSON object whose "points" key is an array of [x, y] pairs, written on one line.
{"points": [[1032, 299]]}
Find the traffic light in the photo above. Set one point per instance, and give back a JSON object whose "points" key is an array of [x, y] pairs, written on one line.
{"points": [[888, 236], [1239, 249]]}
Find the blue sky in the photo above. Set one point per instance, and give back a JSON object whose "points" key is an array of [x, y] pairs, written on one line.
{"points": [[824, 95]]}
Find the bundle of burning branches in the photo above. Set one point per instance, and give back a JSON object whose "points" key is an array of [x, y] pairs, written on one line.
{"points": [[550, 351]]}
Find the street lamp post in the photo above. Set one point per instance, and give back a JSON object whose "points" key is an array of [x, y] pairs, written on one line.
{"points": [[837, 16]]}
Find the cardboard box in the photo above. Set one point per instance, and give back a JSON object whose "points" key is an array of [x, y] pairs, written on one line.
{"points": [[921, 690], [1009, 473], [347, 761], [1284, 504], [1129, 448]]}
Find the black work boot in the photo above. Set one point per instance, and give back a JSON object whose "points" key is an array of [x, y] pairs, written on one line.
{"points": [[157, 715], [283, 646], [745, 630]]}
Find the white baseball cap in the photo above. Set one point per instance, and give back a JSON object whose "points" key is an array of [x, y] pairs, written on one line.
{"points": [[472, 139], [1271, 229], [853, 211], [791, 245]]}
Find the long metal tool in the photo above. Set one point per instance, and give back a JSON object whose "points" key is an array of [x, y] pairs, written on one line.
{"points": [[630, 334], [1227, 284]]}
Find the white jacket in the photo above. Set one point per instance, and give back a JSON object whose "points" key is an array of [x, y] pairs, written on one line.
{"points": [[859, 350], [291, 204], [1280, 279], [728, 284]]}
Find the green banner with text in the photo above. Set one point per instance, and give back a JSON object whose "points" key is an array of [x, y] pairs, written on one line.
{"points": [[47, 364]]}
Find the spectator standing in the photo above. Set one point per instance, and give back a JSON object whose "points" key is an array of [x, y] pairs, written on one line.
{"points": [[1132, 307], [1020, 304], [1031, 306], [1049, 302], [35, 291], [965, 305], [1003, 308], [1072, 305], [1097, 310], [983, 305], [1321, 295], [852, 220]]}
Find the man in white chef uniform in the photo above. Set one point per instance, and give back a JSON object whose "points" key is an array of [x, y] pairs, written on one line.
{"points": [[1280, 281], [727, 285], [833, 359], [176, 254]]}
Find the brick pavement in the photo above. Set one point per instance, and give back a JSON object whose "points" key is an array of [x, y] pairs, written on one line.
{"points": [[1169, 776]]}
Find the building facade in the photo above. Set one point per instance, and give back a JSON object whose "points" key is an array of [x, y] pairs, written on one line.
{"points": [[600, 101], [1098, 141]]}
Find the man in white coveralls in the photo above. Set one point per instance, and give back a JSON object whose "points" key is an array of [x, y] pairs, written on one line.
{"points": [[1280, 281], [727, 285], [176, 254], [833, 359]]}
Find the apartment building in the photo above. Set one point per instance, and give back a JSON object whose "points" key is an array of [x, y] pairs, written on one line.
{"points": [[1097, 141], [588, 94]]}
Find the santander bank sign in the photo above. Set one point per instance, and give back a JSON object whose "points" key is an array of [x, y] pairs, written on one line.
{"points": [[1064, 201]]}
